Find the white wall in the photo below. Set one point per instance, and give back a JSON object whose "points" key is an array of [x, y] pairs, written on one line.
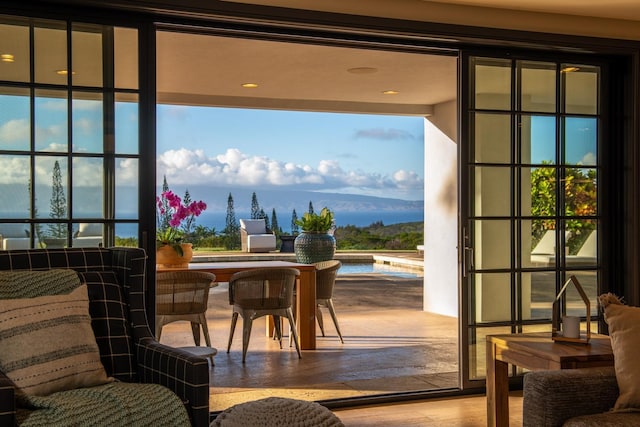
{"points": [[441, 211]]}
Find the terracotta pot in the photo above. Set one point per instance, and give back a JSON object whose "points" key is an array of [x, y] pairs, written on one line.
{"points": [[167, 257]]}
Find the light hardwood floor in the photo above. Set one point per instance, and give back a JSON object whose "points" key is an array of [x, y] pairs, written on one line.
{"points": [[451, 412], [391, 345]]}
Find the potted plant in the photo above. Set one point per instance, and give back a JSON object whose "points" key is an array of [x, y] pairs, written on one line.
{"points": [[171, 251], [315, 243]]}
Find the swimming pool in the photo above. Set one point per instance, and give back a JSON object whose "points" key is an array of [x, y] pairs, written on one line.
{"points": [[391, 270]]}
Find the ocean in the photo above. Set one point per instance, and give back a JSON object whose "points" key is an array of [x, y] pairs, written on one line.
{"points": [[359, 219]]}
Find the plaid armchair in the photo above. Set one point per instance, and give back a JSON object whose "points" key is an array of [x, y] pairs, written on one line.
{"points": [[117, 279]]}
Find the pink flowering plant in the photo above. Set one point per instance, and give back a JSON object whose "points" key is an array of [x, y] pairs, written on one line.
{"points": [[175, 218]]}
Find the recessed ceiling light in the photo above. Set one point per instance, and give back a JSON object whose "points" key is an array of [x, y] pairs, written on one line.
{"points": [[6, 57], [64, 72], [390, 92], [249, 85], [570, 69], [362, 70]]}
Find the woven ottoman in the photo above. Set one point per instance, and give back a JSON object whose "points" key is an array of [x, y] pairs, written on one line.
{"points": [[277, 412]]}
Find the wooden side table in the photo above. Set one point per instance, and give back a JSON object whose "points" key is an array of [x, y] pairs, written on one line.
{"points": [[536, 351]]}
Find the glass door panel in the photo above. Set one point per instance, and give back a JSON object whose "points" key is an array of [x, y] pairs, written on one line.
{"points": [[531, 214]]}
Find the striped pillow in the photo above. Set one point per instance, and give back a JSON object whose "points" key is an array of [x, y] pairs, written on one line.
{"points": [[47, 344]]}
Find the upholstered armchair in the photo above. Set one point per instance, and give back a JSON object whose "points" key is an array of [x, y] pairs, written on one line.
{"points": [[255, 237], [116, 289]]}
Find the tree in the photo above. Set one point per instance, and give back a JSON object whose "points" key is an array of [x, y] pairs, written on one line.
{"points": [[310, 207], [163, 220], [255, 207], [295, 229], [263, 215], [232, 229], [274, 223], [58, 204], [190, 221], [580, 200]]}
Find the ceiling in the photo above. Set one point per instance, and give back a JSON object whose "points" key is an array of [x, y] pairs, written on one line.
{"points": [[612, 9], [209, 70]]}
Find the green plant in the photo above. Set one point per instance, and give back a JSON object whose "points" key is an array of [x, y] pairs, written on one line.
{"points": [[316, 223]]}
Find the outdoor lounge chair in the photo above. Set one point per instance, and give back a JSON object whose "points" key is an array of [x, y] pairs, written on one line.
{"points": [[255, 237]]}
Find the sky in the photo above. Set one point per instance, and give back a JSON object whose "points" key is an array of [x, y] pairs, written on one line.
{"points": [[372, 155]]}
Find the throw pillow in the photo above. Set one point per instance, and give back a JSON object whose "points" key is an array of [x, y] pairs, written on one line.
{"points": [[47, 344], [624, 330]]}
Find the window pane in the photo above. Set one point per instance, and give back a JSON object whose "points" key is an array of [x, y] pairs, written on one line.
{"points": [[493, 297], [543, 292], [86, 45], [51, 120], [581, 88], [580, 192], [538, 140], [53, 236], [127, 188], [478, 349], [492, 84], [14, 236], [87, 235], [580, 140], [14, 185], [539, 243], [543, 183], [88, 191], [127, 235], [582, 242], [50, 40], [492, 189], [14, 52], [492, 138], [88, 127], [14, 119], [51, 187], [126, 58], [126, 123], [538, 86], [492, 244]]}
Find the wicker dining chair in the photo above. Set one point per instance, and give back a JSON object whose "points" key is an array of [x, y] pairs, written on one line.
{"points": [[326, 272], [261, 292], [183, 295]]}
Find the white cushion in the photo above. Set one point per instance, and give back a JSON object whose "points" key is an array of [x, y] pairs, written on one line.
{"points": [[253, 226], [258, 242]]}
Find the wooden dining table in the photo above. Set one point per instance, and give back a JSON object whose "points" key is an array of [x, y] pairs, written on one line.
{"points": [[305, 292]]}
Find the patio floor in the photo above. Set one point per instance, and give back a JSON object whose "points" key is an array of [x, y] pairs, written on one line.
{"points": [[390, 346]]}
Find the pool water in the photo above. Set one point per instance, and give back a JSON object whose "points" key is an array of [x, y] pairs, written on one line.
{"points": [[348, 268]]}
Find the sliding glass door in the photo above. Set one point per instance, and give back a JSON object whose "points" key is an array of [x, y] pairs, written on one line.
{"points": [[530, 177]]}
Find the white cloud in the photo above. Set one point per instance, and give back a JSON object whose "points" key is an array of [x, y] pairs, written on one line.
{"points": [[15, 131], [588, 160], [235, 168]]}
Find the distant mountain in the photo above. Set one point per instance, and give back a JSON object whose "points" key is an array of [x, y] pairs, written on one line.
{"points": [[14, 200], [287, 200]]}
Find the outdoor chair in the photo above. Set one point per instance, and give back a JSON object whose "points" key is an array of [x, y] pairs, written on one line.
{"points": [[326, 272], [183, 295], [261, 292], [255, 236]]}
